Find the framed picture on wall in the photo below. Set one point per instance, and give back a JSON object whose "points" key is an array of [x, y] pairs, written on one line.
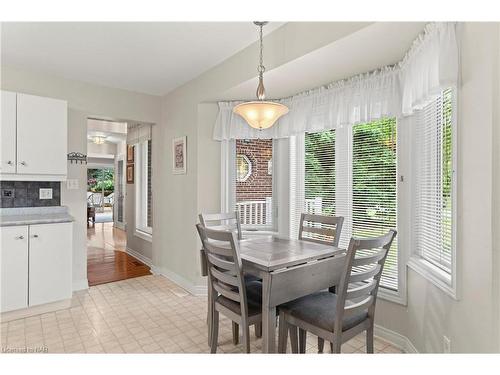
{"points": [[179, 155], [130, 173], [130, 153]]}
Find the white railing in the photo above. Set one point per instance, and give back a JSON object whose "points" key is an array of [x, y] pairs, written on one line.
{"points": [[313, 205], [256, 213]]}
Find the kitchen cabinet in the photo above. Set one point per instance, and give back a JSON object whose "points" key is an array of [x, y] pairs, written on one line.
{"points": [[50, 263], [14, 268], [8, 132], [36, 265], [34, 132]]}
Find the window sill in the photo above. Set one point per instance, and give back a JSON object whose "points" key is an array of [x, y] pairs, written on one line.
{"points": [[433, 274], [391, 296], [143, 235]]}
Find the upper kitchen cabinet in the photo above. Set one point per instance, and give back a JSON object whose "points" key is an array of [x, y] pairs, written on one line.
{"points": [[8, 132], [34, 146], [42, 127]]}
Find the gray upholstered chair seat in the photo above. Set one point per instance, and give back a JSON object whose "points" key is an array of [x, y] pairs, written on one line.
{"points": [[253, 307], [254, 290], [319, 310]]}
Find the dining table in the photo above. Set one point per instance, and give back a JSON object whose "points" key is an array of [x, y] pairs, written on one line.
{"points": [[289, 269]]}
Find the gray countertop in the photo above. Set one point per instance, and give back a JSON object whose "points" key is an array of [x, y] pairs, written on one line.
{"points": [[34, 215]]}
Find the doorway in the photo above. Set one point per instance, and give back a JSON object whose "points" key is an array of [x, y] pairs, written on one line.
{"points": [[107, 257], [101, 193]]}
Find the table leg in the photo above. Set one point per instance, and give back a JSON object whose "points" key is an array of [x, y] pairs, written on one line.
{"points": [[268, 317]]}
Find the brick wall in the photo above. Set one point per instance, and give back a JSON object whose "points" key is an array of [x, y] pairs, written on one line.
{"points": [[259, 184]]}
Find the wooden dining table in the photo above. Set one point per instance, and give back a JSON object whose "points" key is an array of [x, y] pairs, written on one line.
{"points": [[289, 269]]}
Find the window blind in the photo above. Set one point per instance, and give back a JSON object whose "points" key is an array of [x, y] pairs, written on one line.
{"points": [[374, 188], [252, 180], [433, 162]]}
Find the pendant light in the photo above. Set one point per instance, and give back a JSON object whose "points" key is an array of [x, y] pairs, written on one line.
{"points": [[261, 114]]}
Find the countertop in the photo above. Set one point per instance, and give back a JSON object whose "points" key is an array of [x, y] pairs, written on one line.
{"points": [[34, 215]]}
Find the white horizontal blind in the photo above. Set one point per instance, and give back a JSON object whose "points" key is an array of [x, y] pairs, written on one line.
{"points": [[319, 174], [433, 162], [374, 188], [252, 183]]}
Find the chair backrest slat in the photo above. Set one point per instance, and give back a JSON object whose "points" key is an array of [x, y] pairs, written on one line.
{"points": [[358, 307], [365, 261], [222, 221], [222, 264], [359, 291], [226, 278], [365, 274], [235, 296], [320, 228], [368, 259]]}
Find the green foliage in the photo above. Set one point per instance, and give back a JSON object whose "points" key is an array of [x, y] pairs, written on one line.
{"points": [[97, 179]]}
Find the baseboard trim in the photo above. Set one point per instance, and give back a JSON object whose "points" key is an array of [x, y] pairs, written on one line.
{"points": [[35, 310], [188, 286], [80, 285], [395, 339], [148, 262]]}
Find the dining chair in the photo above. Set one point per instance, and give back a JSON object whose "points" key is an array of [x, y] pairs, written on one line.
{"points": [[222, 221], [321, 229], [339, 317], [227, 284], [227, 221]]}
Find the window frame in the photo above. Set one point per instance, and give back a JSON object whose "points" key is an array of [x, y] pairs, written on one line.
{"points": [[446, 282], [228, 179], [142, 230]]}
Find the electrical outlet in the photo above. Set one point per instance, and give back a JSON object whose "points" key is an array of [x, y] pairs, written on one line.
{"points": [[45, 194], [446, 344]]}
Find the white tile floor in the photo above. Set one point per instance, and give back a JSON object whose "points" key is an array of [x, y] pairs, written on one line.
{"points": [[142, 315]]}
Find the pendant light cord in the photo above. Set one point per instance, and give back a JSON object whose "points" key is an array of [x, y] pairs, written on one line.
{"points": [[261, 67]]}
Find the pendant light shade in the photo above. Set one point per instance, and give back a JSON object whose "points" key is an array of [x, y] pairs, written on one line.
{"points": [[261, 114]]}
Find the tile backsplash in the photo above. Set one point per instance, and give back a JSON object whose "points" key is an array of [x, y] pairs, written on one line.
{"points": [[27, 193]]}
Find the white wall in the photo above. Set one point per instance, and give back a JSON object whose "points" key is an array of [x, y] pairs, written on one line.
{"points": [[84, 100], [105, 148]]}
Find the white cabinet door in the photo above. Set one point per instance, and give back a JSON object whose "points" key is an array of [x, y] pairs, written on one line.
{"points": [[8, 132], [41, 135], [50, 265], [14, 268]]}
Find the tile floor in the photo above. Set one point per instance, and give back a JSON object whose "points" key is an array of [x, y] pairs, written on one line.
{"points": [[147, 314]]}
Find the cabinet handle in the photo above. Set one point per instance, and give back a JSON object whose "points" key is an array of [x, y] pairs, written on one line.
{"points": [[23, 163], [35, 236], [20, 238], [10, 162]]}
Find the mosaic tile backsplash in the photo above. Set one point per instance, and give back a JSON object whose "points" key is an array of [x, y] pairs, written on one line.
{"points": [[26, 193]]}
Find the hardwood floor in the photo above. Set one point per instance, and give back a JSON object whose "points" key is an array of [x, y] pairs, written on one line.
{"points": [[107, 260]]}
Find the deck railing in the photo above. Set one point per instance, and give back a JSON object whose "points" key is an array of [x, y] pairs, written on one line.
{"points": [[256, 212]]}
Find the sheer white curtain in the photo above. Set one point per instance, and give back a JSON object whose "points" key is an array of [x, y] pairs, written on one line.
{"points": [[430, 66]]}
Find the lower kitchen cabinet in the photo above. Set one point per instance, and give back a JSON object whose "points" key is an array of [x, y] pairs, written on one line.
{"points": [[36, 265], [14, 268], [50, 277]]}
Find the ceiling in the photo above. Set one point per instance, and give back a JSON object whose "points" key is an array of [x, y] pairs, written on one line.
{"points": [[114, 132], [147, 57], [377, 45]]}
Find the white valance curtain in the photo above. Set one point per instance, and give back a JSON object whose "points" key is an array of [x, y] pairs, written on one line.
{"points": [[430, 66]]}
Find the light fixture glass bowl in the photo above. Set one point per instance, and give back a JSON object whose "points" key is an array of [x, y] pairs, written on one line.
{"points": [[260, 114], [99, 140]]}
